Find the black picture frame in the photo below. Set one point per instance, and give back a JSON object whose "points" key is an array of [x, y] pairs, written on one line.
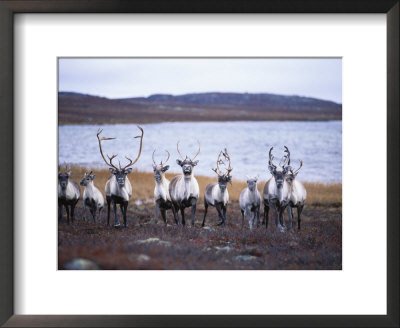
{"points": [[11, 7]]}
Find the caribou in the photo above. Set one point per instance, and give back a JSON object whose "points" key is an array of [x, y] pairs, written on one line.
{"points": [[68, 194], [92, 197], [216, 194], [250, 202], [161, 190], [297, 195], [184, 189], [276, 189], [118, 189]]}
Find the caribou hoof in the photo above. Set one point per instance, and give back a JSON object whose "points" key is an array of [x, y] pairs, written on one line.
{"points": [[117, 226]]}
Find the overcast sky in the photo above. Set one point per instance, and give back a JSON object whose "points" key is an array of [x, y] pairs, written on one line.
{"points": [[128, 77]]}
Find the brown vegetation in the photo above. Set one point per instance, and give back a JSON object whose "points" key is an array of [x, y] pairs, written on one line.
{"points": [[144, 245], [143, 186]]}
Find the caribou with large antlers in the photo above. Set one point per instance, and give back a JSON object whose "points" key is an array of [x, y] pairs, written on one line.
{"points": [[68, 194], [118, 188], [297, 195], [216, 194], [276, 189], [161, 190], [184, 189]]}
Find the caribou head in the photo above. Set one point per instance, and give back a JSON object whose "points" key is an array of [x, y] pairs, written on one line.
{"points": [[87, 178], [252, 182], [160, 169], [223, 178], [187, 163], [63, 177], [293, 173], [119, 172], [279, 171]]}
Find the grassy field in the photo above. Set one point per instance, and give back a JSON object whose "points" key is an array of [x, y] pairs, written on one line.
{"points": [[144, 245]]}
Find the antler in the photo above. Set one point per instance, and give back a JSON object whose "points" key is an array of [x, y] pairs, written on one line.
{"points": [[166, 159], [140, 150], [301, 164], [219, 161], [177, 148], [161, 163], [217, 170], [198, 151], [229, 169], [287, 157], [271, 158], [99, 131]]}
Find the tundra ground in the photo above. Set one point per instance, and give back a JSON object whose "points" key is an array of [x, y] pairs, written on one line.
{"points": [[145, 245]]}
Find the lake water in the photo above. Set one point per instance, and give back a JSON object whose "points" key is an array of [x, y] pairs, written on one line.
{"points": [[318, 144]]}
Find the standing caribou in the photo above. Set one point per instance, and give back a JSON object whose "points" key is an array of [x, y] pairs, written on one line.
{"points": [[161, 190], [216, 194], [68, 194], [184, 189], [118, 188], [92, 196], [250, 202], [297, 195], [276, 189]]}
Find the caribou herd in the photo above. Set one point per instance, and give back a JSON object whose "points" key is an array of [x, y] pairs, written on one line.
{"points": [[283, 191]]}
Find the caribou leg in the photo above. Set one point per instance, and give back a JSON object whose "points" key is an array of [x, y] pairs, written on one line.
{"points": [[277, 223], [100, 209], [221, 216], [290, 214], [157, 211], [60, 205], [280, 219], [224, 213], [299, 210], [194, 202], [282, 216], [73, 211], [278, 211], [205, 213], [175, 210], [92, 212], [242, 217], [266, 212], [257, 214], [183, 215], [84, 211], [67, 210], [124, 208], [249, 216], [108, 210], [163, 212], [116, 221]]}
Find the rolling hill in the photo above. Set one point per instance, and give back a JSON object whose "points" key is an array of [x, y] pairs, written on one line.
{"points": [[76, 108]]}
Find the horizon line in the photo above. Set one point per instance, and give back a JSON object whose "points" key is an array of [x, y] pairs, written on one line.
{"points": [[206, 92]]}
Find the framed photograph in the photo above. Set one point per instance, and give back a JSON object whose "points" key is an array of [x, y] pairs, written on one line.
{"points": [[210, 162]]}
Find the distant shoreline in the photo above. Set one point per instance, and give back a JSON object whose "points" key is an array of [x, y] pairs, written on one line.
{"points": [[76, 108], [206, 121]]}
